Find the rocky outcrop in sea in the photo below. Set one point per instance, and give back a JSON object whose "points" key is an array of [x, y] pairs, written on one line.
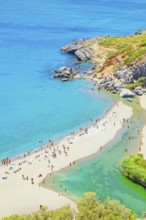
{"points": [[80, 49], [66, 73]]}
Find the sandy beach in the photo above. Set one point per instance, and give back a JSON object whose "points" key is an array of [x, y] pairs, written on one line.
{"points": [[143, 134], [20, 188]]}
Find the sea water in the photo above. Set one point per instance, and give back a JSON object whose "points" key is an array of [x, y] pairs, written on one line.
{"points": [[33, 106]]}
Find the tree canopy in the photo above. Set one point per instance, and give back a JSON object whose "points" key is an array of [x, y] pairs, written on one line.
{"points": [[89, 208], [134, 168]]}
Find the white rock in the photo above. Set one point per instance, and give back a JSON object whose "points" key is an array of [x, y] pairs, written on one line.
{"points": [[126, 93]]}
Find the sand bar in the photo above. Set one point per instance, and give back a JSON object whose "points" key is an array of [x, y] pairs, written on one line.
{"points": [[143, 134], [20, 189]]}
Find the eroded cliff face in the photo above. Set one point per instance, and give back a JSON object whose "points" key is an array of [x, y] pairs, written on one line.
{"points": [[119, 62]]}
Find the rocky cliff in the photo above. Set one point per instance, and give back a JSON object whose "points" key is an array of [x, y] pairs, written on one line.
{"points": [[119, 62]]}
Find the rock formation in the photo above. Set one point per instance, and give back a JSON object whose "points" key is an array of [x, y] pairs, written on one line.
{"points": [[117, 64], [66, 73], [80, 49], [126, 93]]}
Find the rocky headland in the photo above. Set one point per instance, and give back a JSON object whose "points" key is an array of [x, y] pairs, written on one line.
{"points": [[119, 62]]}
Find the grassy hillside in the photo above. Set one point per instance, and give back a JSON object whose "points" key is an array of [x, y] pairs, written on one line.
{"points": [[126, 49]]}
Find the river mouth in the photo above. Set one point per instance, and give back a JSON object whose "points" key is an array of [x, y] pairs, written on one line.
{"points": [[101, 173]]}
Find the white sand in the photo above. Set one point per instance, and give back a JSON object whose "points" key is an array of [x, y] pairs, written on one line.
{"points": [[21, 196], [143, 134], [143, 101]]}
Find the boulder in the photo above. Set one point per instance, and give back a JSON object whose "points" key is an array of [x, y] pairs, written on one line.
{"points": [[126, 93], [118, 86], [65, 73], [80, 49], [139, 71], [139, 32], [125, 74], [77, 45], [108, 83], [83, 54], [61, 69], [138, 91], [130, 74]]}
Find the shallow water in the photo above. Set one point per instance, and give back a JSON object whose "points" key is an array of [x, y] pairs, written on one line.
{"points": [[101, 173]]}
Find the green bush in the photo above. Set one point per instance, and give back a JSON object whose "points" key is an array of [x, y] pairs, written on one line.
{"points": [[90, 208], [131, 86], [134, 168], [140, 82]]}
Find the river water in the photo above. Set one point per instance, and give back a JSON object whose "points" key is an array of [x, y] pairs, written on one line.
{"points": [[101, 173]]}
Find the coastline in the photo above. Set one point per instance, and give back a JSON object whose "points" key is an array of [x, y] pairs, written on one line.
{"points": [[76, 147], [59, 139], [142, 149], [45, 144]]}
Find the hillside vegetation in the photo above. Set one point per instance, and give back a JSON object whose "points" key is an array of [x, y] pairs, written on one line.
{"points": [[127, 49]]}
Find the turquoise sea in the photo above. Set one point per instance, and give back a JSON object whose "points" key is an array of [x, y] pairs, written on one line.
{"points": [[34, 106]]}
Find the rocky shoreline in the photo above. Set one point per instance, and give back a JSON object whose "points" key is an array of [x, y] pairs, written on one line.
{"points": [[83, 54], [104, 73]]}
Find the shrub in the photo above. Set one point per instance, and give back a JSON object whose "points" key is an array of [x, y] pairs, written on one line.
{"points": [[134, 168]]}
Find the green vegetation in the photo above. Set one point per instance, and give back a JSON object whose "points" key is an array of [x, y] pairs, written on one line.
{"points": [[134, 168], [89, 208], [64, 213], [130, 48], [140, 82]]}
